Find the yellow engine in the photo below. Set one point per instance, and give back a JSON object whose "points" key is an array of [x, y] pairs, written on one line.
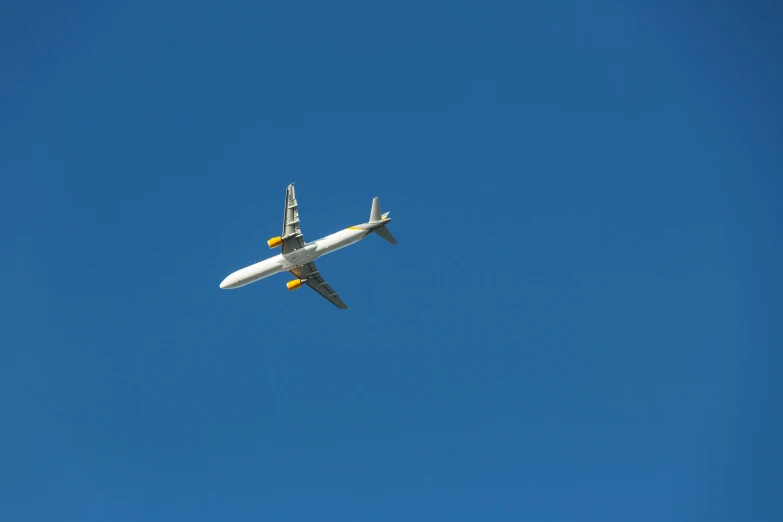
{"points": [[275, 242], [293, 285]]}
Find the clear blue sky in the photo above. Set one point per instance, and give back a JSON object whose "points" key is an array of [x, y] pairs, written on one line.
{"points": [[581, 320]]}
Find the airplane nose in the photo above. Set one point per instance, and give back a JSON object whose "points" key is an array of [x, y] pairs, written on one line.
{"points": [[232, 281]]}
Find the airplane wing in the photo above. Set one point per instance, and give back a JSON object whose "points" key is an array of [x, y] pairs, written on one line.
{"points": [[294, 240], [317, 283], [292, 234]]}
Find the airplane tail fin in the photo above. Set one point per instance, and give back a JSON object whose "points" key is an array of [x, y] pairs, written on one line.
{"points": [[375, 212], [375, 216]]}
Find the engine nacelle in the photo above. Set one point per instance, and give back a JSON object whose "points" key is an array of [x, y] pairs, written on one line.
{"points": [[275, 242], [293, 285]]}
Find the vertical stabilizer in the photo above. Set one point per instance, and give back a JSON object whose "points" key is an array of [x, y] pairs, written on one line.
{"points": [[375, 213]]}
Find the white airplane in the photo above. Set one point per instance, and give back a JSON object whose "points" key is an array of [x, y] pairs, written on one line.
{"points": [[299, 257]]}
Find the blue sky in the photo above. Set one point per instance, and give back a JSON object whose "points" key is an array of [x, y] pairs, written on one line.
{"points": [[580, 322]]}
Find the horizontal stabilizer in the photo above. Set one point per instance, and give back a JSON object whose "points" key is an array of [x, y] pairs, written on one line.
{"points": [[385, 234]]}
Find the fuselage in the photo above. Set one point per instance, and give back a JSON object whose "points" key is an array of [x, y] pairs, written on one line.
{"points": [[309, 253]]}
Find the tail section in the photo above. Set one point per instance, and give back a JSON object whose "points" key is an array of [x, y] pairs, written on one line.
{"points": [[375, 217], [375, 213], [385, 234]]}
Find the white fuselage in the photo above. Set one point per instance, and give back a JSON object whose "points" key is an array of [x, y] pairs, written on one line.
{"points": [[302, 256]]}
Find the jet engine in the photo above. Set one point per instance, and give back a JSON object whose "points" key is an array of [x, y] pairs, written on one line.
{"points": [[275, 242], [293, 285]]}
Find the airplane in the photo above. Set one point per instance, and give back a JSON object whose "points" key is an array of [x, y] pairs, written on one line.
{"points": [[298, 257]]}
